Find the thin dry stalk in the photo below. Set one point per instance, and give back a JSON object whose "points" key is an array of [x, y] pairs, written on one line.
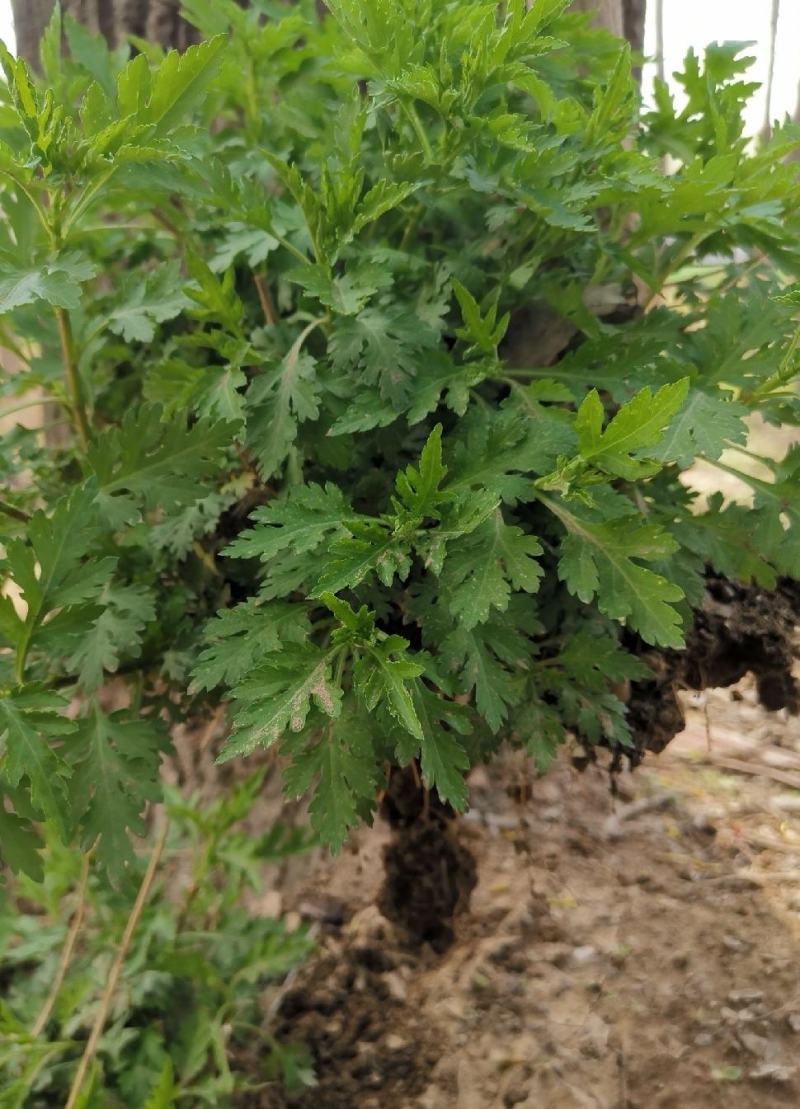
{"points": [[66, 951], [116, 966]]}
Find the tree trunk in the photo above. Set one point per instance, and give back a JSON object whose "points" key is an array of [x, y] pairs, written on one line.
{"points": [[156, 20], [608, 13], [30, 18], [624, 18], [633, 21]]}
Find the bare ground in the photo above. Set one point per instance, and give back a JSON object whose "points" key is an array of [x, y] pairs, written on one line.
{"points": [[629, 953]]}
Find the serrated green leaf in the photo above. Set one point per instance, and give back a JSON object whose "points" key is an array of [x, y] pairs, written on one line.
{"points": [[638, 425], [142, 304], [482, 568], [51, 570], [240, 638], [57, 281], [540, 728], [382, 675], [490, 661], [597, 561], [20, 845], [418, 489], [29, 721], [443, 759], [133, 87], [118, 628], [278, 401], [300, 521], [384, 346], [164, 465], [164, 1093], [277, 696], [705, 426], [180, 82], [115, 760], [343, 761], [92, 53], [371, 547]]}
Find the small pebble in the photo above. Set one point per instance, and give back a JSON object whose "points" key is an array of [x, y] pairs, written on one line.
{"points": [[733, 943]]}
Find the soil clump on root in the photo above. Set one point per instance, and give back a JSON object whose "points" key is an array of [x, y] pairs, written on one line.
{"points": [[737, 629], [429, 873]]}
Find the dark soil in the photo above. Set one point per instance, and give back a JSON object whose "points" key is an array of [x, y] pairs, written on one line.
{"points": [[429, 876], [346, 1008], [737, 629], [429, 873]]}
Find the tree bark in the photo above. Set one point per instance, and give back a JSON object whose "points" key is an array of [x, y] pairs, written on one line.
{"points": [[156, 20], [30, 19], [624, 18], [608, 13], [633, 23]]}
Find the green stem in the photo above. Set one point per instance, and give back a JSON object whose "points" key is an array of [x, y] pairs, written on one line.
{"points": [[14, 512], [411, 226], [748, 453], [782, 376], [21, 407], [416, 123], [85, 200], [291, 248], [73, 377], [519, 389], [683, 255], [22, 651]]}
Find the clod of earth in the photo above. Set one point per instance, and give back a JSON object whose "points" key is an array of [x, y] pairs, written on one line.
{"points": [[737, 629], [429, 874]]}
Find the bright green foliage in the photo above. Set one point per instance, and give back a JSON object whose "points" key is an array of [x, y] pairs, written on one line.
{"points": [[387, 342], [198, 959]]}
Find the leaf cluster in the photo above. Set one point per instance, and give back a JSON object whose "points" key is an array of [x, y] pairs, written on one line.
{"points": [[383, 344]]}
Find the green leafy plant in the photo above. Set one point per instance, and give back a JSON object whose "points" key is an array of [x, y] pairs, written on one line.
{"points": [[385, 341], [188, 1005]]}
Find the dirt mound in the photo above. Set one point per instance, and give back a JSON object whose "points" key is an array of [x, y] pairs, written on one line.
{"points": [[737, 630], [429, 873], [368, 1048]]}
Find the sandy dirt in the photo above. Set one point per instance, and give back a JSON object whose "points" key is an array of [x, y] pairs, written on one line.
{"points": [[630, 953]]}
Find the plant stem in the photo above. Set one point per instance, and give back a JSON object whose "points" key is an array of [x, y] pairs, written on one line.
{"points": [[519, 389], [416, 123], [73, 377], [116, 966], [291, 248], [86, 198], [16, 513], [785, 372], [683, 255], [66, 951], [264, 299], [39, 401]]}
